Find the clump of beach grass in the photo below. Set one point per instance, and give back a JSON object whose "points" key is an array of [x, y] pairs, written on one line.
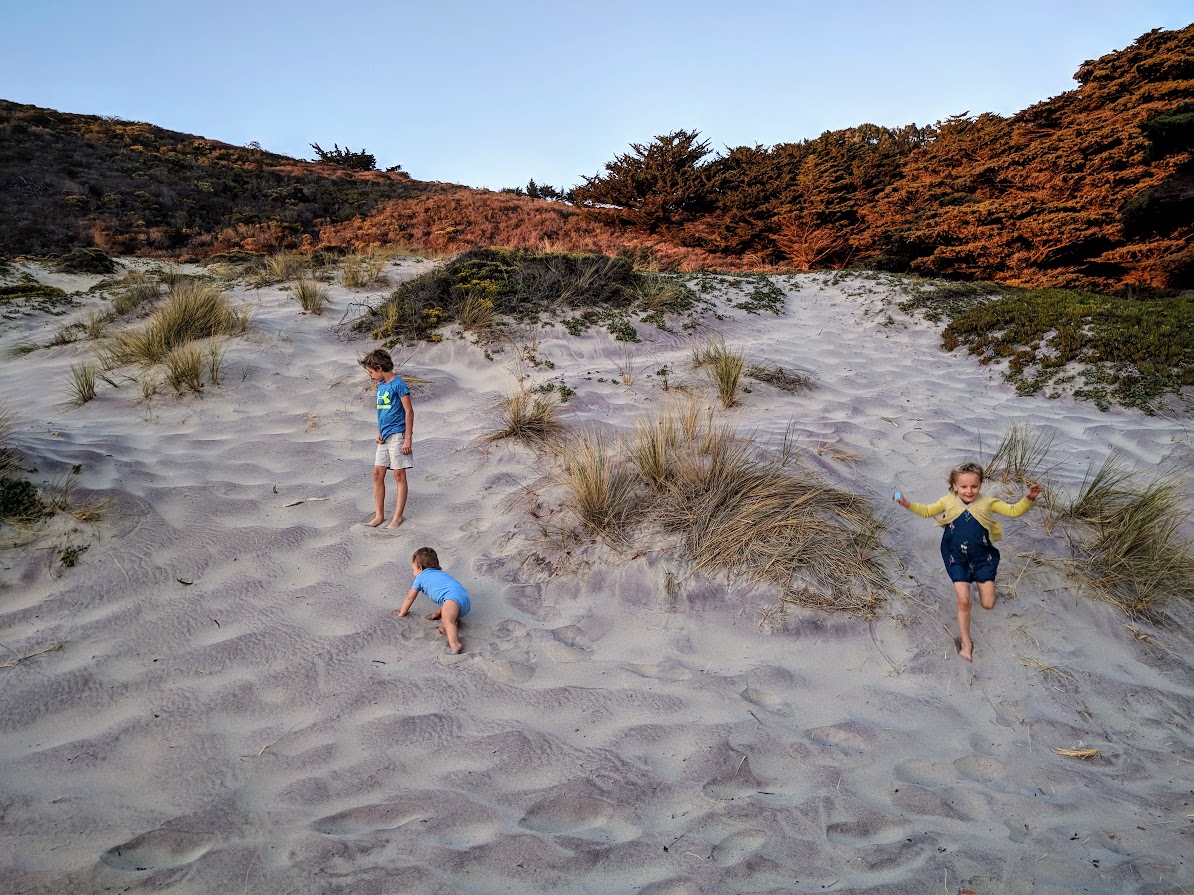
{"points": [[81, 387], [530, 417], [602, 488], [477, 312], [192, 311], [310, 295], [364, 271], [1135, 557], [735, 508], [184, 368], [724, 366], [1021, 456], [9, 462], [276, 268], [138, 290]]}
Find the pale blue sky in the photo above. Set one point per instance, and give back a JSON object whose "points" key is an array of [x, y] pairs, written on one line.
{"points": [[492, 94]]}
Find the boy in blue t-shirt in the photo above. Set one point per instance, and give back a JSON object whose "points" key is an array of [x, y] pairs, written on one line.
{"points": [[442, 589], [395, 425]]}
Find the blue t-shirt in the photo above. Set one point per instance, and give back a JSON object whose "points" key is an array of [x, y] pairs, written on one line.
{"points": [[438, 585], [391, 415]]}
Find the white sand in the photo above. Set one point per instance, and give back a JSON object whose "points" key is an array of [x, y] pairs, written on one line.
{"points": [[234, 709]]}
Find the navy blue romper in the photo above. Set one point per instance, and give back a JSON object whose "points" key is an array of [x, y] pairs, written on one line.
{"points": [[967, 550]]}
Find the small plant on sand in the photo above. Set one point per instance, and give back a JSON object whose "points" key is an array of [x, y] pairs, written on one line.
{"points": [[310, 295], [139, 289], [652, 450], [364, 272], [9, 461], [20, 502], [602, 489], [723, 365], [627, 367], [1020, 455], [276, 268], [184, 368], [782, 379], [215, 361], [531, 417], [81, 387]]}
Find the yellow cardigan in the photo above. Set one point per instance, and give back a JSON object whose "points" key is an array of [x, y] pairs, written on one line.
{"points": [[950, 507]]}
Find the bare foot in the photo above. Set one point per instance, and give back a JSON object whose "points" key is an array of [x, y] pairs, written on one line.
{"points": [[398, 614], [966, 652], [394, 523], [435, 616], [376, 521], [457, 648], [441, 630]]}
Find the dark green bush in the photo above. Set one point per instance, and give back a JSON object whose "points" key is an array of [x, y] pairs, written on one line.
{"points": [[520, 285], [20, 501], [86, 261]]}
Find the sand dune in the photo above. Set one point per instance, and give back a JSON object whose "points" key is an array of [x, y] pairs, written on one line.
{"points": [[233, 708]]}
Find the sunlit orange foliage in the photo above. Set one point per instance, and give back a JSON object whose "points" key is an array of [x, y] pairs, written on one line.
{"points": [[464, 219]]}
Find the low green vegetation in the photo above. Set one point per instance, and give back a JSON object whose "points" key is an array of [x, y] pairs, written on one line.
{"points": [[1126, 351], [30, 291], [481, 288], [89, 260]]}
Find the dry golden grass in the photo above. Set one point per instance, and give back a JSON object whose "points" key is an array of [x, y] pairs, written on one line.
{"points": [[184, 368], [9, 461], [724, 366], [81, 387], [192, 311], [477, 313], [735, 509], [138, 290], [364, 271], [602, 488], [276, 268], [310, 295], [532, 418]]}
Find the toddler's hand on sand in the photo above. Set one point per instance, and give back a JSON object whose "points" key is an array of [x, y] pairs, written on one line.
{"points": [[399, 613]]}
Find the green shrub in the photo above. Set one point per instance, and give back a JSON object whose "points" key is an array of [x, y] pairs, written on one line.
{"points": [[1128, 351], [20, 501], [86, 261]]}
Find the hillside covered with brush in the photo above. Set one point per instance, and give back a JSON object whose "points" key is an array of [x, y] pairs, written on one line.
{"points": [[1091, 189]]}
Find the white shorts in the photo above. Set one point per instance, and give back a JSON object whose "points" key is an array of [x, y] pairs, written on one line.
{"points": [[390, 454]]}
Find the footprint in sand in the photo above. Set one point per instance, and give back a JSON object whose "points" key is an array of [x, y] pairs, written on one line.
{"points": [[585, 816], [157, 850], [738, 847], [362, 819], [765, 700]]}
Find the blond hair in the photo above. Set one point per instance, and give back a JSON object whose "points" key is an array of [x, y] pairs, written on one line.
{"points": [[963, 469]]}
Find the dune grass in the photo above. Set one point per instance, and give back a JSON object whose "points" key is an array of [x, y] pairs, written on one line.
{"points": [[477, 313], [602, 487], [312, 297], [530, 417], [735, 508], [139, 289], [1021, 456], [192, 311], [184, 368], [364, 271], [724, 366], [81, 387], [783, 379], [9, 462], [276, 268]]}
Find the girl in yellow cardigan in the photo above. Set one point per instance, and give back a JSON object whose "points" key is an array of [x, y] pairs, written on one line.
{"points": [[967, 544]]}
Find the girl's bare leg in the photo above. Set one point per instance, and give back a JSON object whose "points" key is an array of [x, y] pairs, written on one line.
{"points": [[986, 594], [962, 590]]}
